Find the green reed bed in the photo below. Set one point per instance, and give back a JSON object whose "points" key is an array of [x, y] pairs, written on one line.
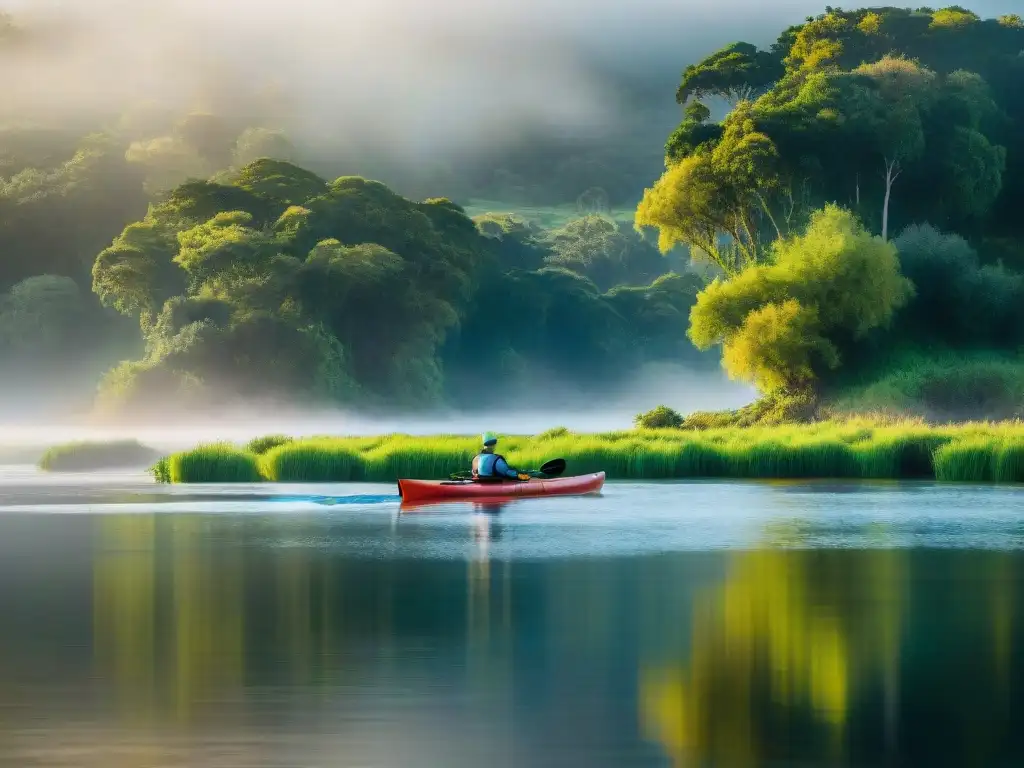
{"points": [[979, 460], [1009, 464], [216, 463], [434, 457], [93, 456], [849, 449], [316, 461]]}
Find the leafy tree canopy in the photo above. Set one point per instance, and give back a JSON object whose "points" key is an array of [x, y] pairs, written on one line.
{"points": [[274, 282], [784, 324], [899, 115]]}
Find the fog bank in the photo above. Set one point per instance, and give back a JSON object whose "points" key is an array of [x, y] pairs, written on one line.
{"points": [[524, 413], [407, 77]]}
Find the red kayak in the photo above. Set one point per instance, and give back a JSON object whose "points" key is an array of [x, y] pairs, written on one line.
{"points": [[416, 491]]}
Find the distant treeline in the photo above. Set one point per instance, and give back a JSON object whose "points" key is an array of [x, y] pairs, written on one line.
{"points": [[278, 284]]}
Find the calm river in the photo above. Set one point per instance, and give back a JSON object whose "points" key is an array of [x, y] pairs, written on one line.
{"points": [[669, 624]]}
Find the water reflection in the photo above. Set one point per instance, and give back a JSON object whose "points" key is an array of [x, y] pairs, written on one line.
{"points": [[228, 640], [885, 657]]}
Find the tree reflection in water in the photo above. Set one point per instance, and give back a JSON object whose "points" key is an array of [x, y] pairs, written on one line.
{"points": [[254, 628], [837, 656]]}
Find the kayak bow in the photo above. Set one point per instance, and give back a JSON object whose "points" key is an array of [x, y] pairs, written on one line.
{"points": [[415, 491]]}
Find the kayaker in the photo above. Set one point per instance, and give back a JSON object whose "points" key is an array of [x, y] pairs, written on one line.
{"points": [[489, 464]]}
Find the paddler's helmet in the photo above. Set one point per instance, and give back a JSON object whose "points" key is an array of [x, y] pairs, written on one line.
{"points": [[489, 438]]}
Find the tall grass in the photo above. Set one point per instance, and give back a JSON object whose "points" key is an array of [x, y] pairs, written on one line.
{"points": [[980, 460], [215, 463], [856, 448], [261, 445], [311, 462], [90, 456]]}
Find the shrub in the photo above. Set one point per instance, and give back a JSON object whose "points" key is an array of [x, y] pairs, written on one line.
{"points": [[661, 417], [779, 323], [957, 300], [773, 409]]}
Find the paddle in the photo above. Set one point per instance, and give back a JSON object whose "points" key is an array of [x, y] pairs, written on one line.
{"points": [[552, 468]]}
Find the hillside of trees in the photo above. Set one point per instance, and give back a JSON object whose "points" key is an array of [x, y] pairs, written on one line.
{"points": [[275, 284], [156, 256]]}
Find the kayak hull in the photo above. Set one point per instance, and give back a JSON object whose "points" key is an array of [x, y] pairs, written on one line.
{"points": [[417, 491]]}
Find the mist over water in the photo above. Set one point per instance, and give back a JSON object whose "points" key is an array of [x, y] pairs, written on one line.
{"points": [[514, 412]]}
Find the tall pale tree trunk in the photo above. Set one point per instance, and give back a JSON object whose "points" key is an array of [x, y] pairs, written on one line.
{"points": [[892, 172]]}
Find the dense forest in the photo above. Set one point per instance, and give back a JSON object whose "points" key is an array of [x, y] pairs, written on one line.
{"points": [[282, 284], [845, 235], [184, 257]]}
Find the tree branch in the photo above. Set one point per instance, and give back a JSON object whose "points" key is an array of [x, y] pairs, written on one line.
{"points": [[768, 213]]}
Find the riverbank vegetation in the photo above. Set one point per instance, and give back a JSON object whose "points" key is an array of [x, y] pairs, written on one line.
{"points": [[93, 456], [982, 452]]}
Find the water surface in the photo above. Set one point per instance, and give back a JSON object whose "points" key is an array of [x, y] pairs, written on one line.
{"points": [[661, 624]]}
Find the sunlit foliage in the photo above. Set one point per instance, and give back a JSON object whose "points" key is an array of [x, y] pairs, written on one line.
{"points": [[776, 321]]}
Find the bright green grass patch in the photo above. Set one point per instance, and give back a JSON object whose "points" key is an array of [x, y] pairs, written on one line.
{"points": [[90, 456], [217, 463], [311, 462], [978, 460], [856, 448], [1009, 463]]}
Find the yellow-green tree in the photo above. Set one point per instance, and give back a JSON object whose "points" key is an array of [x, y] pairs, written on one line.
{"points": [[716, 201], [780, 323], [778, 346]]}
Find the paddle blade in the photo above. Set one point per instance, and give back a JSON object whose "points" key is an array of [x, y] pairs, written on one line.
{"points": [[553, 467]]}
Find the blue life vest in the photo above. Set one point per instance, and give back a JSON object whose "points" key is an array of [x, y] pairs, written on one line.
{"points": [[485, 465]]}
